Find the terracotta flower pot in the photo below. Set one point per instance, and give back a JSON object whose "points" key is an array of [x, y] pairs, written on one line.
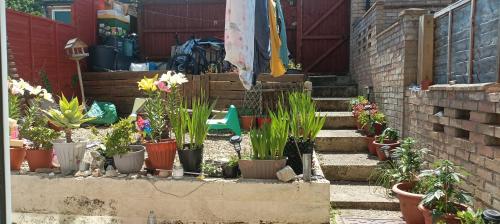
{"points": [[447, 218], [161, 155], [17, 156], [263, 120], [247, 122], [371, 147], [39, 159], [408, 203], [424, 84], [378, 147], [260, 169]]}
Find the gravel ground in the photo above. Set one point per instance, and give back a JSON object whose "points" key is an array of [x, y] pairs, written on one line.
{"points": [[217, 146]]}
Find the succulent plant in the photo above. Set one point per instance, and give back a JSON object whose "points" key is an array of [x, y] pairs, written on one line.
{"points": [[69, 116]]}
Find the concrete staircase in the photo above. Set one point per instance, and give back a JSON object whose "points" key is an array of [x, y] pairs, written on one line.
{"points": [[345, 160]]}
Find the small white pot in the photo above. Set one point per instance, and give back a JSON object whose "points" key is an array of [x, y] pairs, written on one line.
{"points": [[69, 155], [130, 162]]}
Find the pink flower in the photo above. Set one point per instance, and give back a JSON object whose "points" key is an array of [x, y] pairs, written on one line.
{"points": [[163, 87]]}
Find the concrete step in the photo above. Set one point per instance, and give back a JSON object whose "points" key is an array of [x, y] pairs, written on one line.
{"points": [[346, 141], [350, 216], [355, 195], [338, 120], [328, 80], [347, 167], [334, 91], [332, 103]]}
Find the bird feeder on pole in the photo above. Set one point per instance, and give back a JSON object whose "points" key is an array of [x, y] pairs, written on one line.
{"points": [[77, 50]]}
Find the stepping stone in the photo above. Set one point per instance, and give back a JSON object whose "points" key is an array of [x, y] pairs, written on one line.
{"points": [[333, 104], [342, 141], [356, 216], [347, 167], [355, 195], [338, 120]]}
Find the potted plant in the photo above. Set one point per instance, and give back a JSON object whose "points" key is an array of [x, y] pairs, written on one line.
{"points": [[444, 198], [191, 155], [69, 116], [268, 144], [388, 138], [17, 154], [230, 169], [304, 126], [163, 100], [357, 107], [117, 144], [471, 217], [401, 175], [247, 118]]}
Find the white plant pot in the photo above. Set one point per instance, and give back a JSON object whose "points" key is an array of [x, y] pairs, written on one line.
{"points": [[69, 155], [132, 161]]}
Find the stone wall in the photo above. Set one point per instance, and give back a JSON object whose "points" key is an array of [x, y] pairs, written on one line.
{"points": [[467, 133]]}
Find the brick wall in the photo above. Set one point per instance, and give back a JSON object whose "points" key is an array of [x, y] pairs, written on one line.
{"points": [[468, 134]]}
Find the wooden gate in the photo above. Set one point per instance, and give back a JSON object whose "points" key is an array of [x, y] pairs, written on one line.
{"points": [[323, 35]]}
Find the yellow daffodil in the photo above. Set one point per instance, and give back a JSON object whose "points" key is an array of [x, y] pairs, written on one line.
{"points": [[148, 84]]}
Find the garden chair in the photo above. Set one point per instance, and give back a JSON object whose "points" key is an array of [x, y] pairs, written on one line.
{"points": [[230, 121]]}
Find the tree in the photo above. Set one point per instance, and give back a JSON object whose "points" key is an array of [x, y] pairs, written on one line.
{"points": [[28, 6]]}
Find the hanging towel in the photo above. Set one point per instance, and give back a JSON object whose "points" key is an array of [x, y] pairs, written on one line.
{"points": [[262, 51], [239, 32], [283, 37], [277, 68]]}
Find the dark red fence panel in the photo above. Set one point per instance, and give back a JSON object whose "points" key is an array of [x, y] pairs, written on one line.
{"points": [[38, 44]]}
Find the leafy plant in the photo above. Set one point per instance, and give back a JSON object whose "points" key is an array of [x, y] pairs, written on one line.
{"points": [[117, 141], [69, 116], [405, 168], [246, 111], [34, 127], [28, 6], [14, 106], [45, 80], [359, 100], [211, 169], [233, 161], [197, 123], [471, 217], [269, 141], [378, 117], [154, 107], [443, 196], [388, 134], [303, 120]]}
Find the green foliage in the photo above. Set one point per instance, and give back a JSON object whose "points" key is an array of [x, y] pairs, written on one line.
{"points": [[233, 161], [471, 217], [211, 169], [378, 117], [34, 127], [117, 141], [197, 123], [358, 100], [246, 111], [156, 112], [180, 124], [14, 106], [69, 116], [443, 195], [28, 6], [303, 120], [269, 141], [45, 80], [388, 134], [405, 168]]}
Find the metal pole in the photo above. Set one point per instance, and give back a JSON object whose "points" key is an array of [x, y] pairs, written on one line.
{"points": [[84, 103], [5, 191]]}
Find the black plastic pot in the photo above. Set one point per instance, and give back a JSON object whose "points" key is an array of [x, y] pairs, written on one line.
{"points": [[293, 155], [191, 159], [491, 216], [230, 171]]}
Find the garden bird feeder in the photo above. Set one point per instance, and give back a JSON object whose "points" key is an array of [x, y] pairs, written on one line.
{"points": [[76, 50]]}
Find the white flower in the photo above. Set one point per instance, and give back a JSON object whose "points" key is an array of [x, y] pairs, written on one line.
{"points": [[24, 85], [173, 79], [35, 91], [47, 96]]}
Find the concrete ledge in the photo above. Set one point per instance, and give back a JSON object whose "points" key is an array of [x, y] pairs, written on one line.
{"points": [[462, 87], [188, 200]]}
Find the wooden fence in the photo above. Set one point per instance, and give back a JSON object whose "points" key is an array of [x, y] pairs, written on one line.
{"points": [[225, 89], [463, 46]]}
